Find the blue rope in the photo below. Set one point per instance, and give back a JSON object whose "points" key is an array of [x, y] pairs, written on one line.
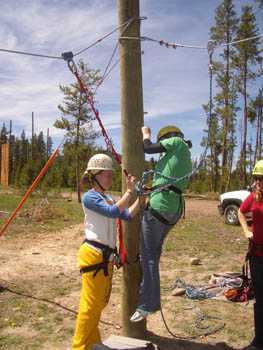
{"points": [[197, 293], [194, 292], [140, 184]]}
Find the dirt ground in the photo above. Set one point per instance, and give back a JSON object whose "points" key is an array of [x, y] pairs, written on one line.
{"points": [[28, 259]]}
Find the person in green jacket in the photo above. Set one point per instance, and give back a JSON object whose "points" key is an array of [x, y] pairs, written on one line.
{"points": [[163, 211]]}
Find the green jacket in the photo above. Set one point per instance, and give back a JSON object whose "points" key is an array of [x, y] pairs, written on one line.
{"points": [[175, 163]]}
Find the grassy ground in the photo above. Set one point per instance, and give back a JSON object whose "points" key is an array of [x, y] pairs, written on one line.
{"points": [[40, 283]]}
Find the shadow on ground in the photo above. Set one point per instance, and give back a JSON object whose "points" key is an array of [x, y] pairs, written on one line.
{"points": [[165, 343]]}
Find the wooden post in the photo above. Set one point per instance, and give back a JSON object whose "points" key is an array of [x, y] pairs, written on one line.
{"points": [[10, 153], [132, 155]]}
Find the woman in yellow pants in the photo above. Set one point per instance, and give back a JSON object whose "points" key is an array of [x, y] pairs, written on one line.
{"points": [[94, 297], [97, 252]]}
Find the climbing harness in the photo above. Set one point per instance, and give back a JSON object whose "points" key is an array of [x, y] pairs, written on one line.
{"points": [[197, 293], [106, 253], [157, 214], [252, 249]]}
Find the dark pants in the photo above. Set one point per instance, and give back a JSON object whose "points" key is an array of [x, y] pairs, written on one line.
{"points": [[256, 271]]}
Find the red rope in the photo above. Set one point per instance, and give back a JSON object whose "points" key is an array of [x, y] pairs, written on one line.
{"points": [[96, 112], [121, 245], [109, 144]]}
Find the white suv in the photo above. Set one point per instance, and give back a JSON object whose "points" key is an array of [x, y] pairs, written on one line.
{"points": [[230, 203]]}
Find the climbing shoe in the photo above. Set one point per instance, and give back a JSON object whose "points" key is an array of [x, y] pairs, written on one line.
{"points": [[139, 315]]}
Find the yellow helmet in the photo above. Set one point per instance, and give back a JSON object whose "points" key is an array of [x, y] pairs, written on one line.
{"points": [[167, 130], [258, 168]]}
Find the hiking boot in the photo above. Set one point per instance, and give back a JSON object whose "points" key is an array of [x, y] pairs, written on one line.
{"points": [[139, 315]]}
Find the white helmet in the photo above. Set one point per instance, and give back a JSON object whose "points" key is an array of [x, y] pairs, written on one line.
{"points": [[100, 161]]}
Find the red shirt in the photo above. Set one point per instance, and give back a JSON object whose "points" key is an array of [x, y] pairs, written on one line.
{"points": [[250, 204]]}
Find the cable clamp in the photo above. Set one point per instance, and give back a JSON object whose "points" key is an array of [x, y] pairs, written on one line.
{"points": [[67, 56]]}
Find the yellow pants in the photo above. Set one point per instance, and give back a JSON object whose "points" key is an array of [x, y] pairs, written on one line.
{"points": [[94, 297]]}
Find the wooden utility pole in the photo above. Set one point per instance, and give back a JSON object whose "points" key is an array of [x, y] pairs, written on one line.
{"points": [[132, 154]]}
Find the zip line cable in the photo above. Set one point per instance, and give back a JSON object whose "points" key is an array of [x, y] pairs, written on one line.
{"points": [[175, 45], [78, 53], [30, 54], [107, 70], [113, 31], [143, 38]]}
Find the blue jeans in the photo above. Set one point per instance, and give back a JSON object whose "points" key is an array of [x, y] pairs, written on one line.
{"points": [[152, 238]]}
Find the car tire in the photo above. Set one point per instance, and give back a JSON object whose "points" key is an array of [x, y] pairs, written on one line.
{"points": [[231, 217]]}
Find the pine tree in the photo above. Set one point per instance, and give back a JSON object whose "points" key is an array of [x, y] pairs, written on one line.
{"points": [[20, 156], [213, 142], [76, 116], [40, 147], [232, 139], [3, 134], [256, 114], [260, 2], [223, 33], [248, 55]]}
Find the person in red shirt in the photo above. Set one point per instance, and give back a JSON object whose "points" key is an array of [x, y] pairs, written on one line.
{"points": [[254, 203]]}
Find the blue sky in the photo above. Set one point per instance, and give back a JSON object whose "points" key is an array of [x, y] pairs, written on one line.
{"points": [[175, 82]]}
